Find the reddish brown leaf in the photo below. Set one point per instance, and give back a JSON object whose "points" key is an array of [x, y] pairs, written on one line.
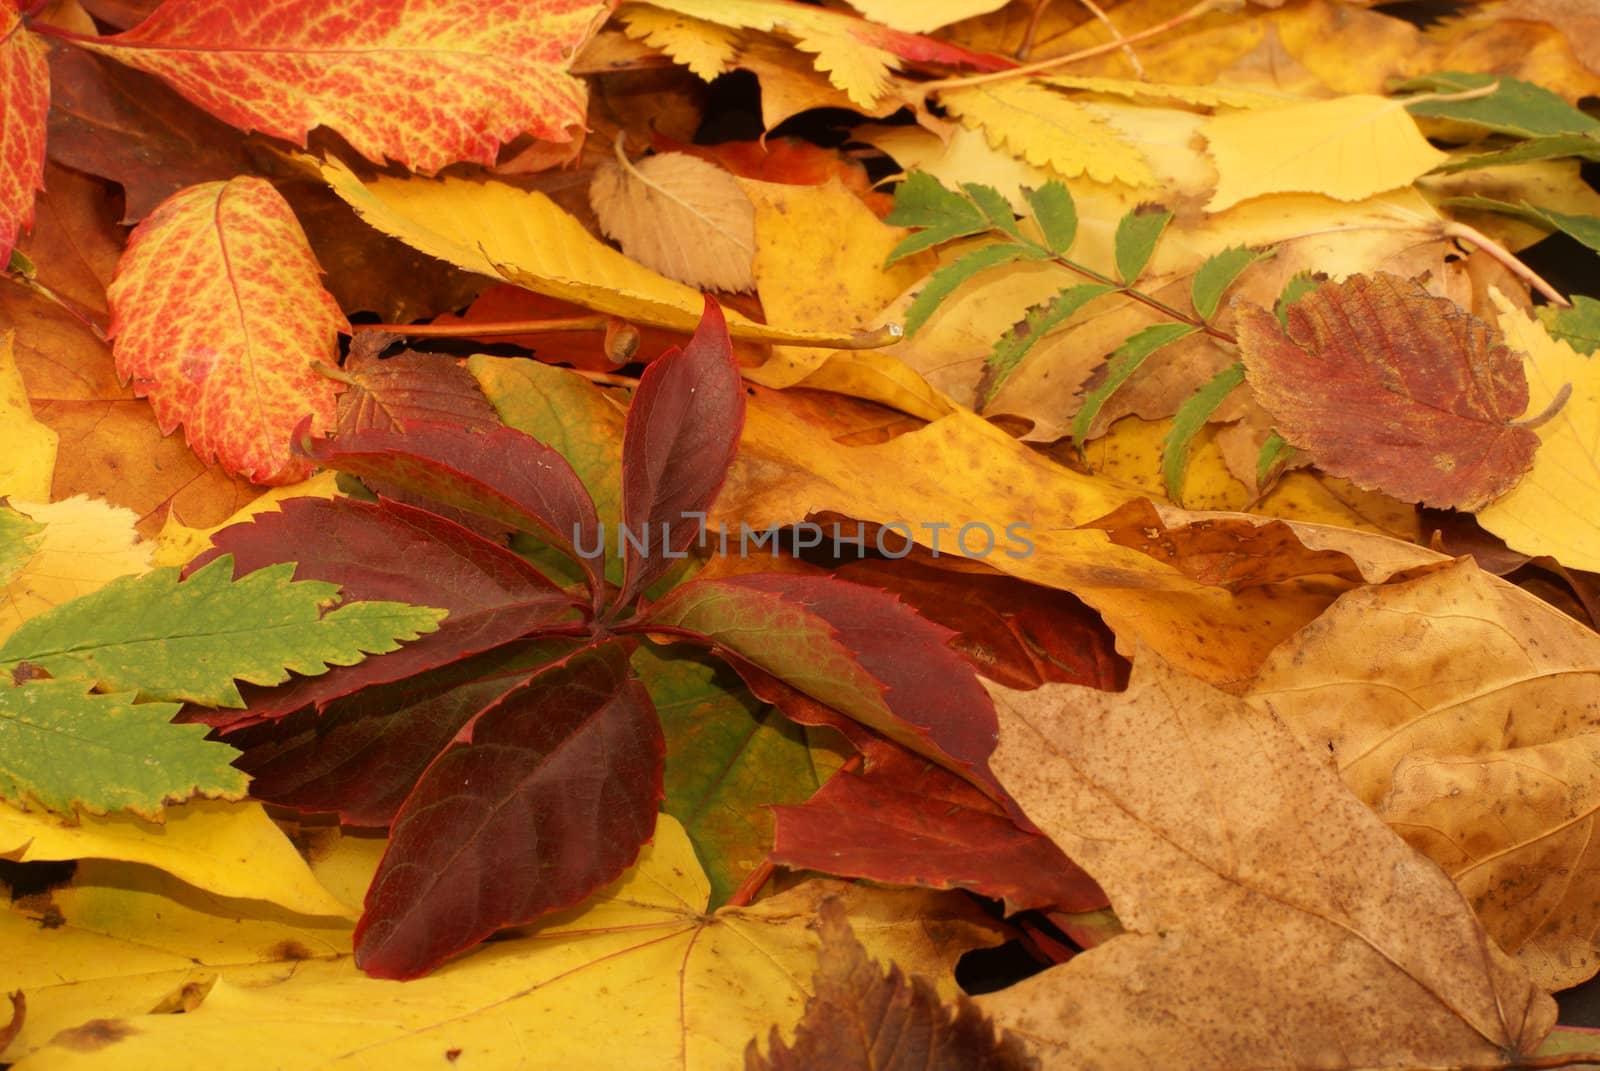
{"points": [[852, 648], [860, 1018], [25, 88], [501, 475], [406, 387], [680, 437], [550, 798], [426, 83], [1393, 388]]}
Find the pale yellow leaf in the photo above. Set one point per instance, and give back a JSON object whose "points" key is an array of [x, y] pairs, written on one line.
{"points": [[925, 15], [1555, 510], [1203, 96], [707, 49], [1043, 127], [1348, 148], [679, 215], [230, 849], [85, 545], [28, 463]]}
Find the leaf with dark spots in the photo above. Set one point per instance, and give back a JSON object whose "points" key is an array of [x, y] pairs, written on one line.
{"points": [[681, 433], [361, 755], [391, 551], [1393, 388], [853, 648], [501, 475], [549, 798]]}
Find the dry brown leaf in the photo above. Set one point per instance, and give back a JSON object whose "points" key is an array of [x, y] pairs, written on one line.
{"points": [[1274, 922], [679, 215], [1460, 707]]}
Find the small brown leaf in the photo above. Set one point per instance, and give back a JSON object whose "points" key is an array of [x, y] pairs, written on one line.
{"points": [[1398, 390]]}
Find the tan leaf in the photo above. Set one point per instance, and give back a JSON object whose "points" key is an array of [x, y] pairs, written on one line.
{"points": [[679, 215], [1274, 921]]}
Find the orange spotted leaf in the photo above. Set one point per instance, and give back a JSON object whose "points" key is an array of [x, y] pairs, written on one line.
{"points": [[426, 83], [218, 316], [1395, 389], [25, 89]]}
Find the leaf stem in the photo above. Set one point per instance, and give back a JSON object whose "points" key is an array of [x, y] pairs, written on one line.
{"points": [[1148, 300], [1456, 229]]}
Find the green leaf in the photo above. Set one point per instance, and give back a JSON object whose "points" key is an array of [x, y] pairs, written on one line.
{"points": [[1515, 107], [940, 214], [1191, 417], [1055, 213], [1014, 345], [995, 208], [1295, 289], [1585, 229], [1123, 364], [1137, 235], [943, 282], [1554, 147], [187, 642], [1215, 276], [1579, 325], [19, 538], [67, 749], [1274, 452], [729, 758]]}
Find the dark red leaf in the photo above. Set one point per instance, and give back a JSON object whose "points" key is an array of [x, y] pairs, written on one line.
{"points": [[361, 756], [853, 648], [551, 798], [860, 1018], [390, 551], [682, 430], [502, 475]]}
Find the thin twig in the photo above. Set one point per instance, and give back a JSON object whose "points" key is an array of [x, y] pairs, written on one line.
{"points": [[1457, 229], [1116, 35]]}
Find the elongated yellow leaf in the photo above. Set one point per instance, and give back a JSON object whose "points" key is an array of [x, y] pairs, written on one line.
{"points": [[1043, 127], [29, 462]]}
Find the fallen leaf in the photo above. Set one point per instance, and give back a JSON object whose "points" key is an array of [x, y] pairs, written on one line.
{"points": [[1044, 127], [84, 546], [1321, 931], [30, 467], [25, 78], [1576, 21], [1394, 388]]}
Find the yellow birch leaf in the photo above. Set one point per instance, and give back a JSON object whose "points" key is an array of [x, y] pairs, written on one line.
{"points": [[29, 463], [521, 235], [679, 215], [85, 545], [708, 50], [1553, 510], [178, 544], [638, 976], [1044, 128], [1348, 148], [230, 849]]}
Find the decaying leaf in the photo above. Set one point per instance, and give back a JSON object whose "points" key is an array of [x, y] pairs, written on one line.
{"points": [[25, 79]]}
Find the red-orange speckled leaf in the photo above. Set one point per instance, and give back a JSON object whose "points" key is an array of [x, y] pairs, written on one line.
{"points": [[218, 315], [25, 90], [1398, 390], [427, 83]]}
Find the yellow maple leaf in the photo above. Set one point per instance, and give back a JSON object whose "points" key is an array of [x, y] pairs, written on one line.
{"points": [[29, 464], [1348, 148], [1043, 127], [85, 545], [1552, 511]]}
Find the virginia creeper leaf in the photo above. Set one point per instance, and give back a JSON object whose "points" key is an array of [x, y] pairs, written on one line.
{"points": [[68, 749], [385, 550], [680, 437], [1014, 345], [1130, 356], [943, 282], [853, 648], [938, 214], [25, 87], [218, 315], [1385, 384], [189, 641], [1056, 214], [550, 798], [502, 475], [1187, 422], [1137, 234], [1215, 276], [426, 83]]}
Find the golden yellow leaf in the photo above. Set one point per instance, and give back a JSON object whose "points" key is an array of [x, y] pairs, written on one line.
{"points": [[1348, 148], [705, 48], [790, 84], [679, 215], [29, 463], [638, 976], [230, 849], [1273, 920], [924, 16], [1044, 127], [1553, 510], [1203, 96], [84, 546], [1458, 667]]}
